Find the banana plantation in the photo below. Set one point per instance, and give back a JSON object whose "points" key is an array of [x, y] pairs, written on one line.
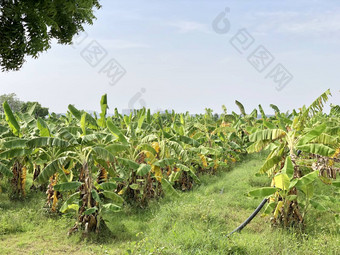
{"points": [[91, 165]]}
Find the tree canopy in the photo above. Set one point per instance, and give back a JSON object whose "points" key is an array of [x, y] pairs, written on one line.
{"points": [[28, 26], [39, 111], [20, 106], [13, 101]]}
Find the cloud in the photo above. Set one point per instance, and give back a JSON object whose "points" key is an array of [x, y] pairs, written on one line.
{"points": [[185, 27], [123, 44], [298, 23]]}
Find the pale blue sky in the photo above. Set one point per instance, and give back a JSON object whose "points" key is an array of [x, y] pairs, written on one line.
{"points": [[170, 49]]}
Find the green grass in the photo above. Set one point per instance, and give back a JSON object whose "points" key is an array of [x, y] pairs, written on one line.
{"points": [[195, 223]]}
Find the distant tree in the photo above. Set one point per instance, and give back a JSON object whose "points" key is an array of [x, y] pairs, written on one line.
{"points": [[39, 111], [335, 110], [12, 100], [27, 27], [17, 105]]}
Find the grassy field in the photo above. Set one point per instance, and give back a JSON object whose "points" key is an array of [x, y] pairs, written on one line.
{"points": [[195, 223]]}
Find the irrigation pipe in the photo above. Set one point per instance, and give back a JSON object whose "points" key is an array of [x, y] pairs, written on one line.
{"points": [[245, 223]]}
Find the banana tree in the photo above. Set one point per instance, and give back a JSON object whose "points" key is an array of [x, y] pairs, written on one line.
{"points": [[294, 175], [14, 154]]}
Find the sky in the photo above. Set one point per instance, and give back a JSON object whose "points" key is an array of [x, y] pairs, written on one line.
{"points": [[189, 55]]}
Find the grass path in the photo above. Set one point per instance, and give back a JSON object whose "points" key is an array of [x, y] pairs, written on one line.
{"points": [[195, 223]]}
